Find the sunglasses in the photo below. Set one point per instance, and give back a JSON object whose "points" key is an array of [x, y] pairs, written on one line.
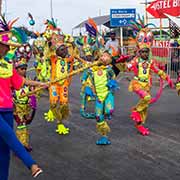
{"points": [[23, 68]]}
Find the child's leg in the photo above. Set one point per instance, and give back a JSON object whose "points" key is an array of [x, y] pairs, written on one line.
{"points": [[145, 97], [99, 110], [9, 137], [102, 126], [109, 105], [141, 108], [63, 110]]}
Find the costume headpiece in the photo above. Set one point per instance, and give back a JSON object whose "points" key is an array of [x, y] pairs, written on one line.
{"points": [[144, 36], [24, 51], [91, 27], [51, 27], [84, 43], [6, 35]]}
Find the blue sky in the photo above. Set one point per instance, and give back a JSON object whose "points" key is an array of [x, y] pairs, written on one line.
{"points": [[68, 12]]}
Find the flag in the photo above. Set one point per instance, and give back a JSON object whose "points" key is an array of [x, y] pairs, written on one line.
{"points": [[174, 29]]}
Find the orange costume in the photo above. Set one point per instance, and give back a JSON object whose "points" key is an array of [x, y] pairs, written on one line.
{"points": [[59, 108]]}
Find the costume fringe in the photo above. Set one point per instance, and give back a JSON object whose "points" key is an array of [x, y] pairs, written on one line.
{"points": [[57, 113], [65, 111], [61, 113], [23, 135], [103, 128]]}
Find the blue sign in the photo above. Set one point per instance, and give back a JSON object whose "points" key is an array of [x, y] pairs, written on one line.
{"points": [[121, 17]]}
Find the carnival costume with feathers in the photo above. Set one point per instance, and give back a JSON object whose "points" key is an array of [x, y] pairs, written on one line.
{"points": [[58, 92], [42, 61], [97, 85], [90, 50], [102, 90], [24, 108], [142, 81], [44, 50]]}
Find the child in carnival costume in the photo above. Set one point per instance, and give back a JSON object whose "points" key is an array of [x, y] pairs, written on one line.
{"points": [[47, 43], [10, 79], [72, 48], [89, 47], [24, 108], [73, 51], [59, 107], [143, 67], [93, 41], [51, 38], [42, 63], [87, 85], [60, 65], [92, 48], [96, 41], [102, 78]]}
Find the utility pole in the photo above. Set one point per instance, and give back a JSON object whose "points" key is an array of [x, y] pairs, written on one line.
{"points": [[100, 30], [146, 14], [0, 7], [51, 8], [146, 17]]}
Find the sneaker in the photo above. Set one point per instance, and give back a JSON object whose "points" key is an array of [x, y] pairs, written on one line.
{"points": [[37, 173]]}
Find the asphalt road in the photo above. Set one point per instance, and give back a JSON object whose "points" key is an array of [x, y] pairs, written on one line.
{"points": [[129, 157]]}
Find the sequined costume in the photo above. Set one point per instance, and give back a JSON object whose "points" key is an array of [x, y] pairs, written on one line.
{"points": [[90, 50], [102, 80], [60, 66], [143, 66], [24, 108], [42, 61]]}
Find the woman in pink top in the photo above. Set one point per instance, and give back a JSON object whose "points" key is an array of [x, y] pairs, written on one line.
{"points": [[9, 80]]}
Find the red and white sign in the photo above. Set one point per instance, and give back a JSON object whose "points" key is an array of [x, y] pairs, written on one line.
{"points": [[159, 7], [159, 43], [160, 48]]}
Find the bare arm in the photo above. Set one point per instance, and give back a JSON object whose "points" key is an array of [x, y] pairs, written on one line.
{"points": [[34, 83]]}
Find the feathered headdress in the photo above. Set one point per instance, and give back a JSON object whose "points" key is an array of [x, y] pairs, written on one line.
{"points": [[91, 27], [52, 25], [19, 35], [24, 51], [5, 32], [22, 55], [142, 33], [51, 28]]}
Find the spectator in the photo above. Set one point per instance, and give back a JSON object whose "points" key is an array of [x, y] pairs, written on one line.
{"points": [[113, 44], [175, 53]]}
